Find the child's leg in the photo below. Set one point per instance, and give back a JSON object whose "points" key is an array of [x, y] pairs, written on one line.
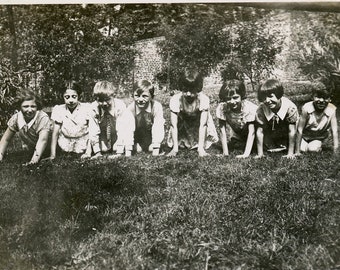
{"points": [[304, 146], [314, 146]]}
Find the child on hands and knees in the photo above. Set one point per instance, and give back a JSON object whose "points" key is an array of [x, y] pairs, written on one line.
{"points": [[148, 118], [276, 120], [192, 125], [115, 123], [318, 118], [236, 117], [71, 123], [32, 124]]}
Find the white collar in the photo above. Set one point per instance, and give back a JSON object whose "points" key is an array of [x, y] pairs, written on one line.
{"points": [[22, 123], [285, 104]]}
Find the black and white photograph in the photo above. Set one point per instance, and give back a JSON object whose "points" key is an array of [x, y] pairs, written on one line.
{"points": [[169, 135]]}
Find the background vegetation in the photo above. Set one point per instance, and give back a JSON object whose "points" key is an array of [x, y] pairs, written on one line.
{"points": [[41, 46]]}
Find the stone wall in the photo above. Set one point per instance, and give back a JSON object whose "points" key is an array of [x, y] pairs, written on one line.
{"points": [[148, 63]]}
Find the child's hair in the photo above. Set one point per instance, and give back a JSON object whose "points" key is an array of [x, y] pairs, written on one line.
{"points": [[73, 85], [26, 95], [191, 80], [322, 93], [104, 88], [230, 88], [269, 87], [144, 85]]}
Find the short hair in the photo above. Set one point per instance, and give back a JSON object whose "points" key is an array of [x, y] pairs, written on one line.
{"points": [[72, 85], [102, 88], [269, 87], [232, 87], [26, 95], [322, 93], [144, 85], [191, 80]]}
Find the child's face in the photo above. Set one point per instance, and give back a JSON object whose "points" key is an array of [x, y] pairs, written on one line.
{"points": [[234, 102], [142, 98], [71, 98], [29, 109], [320, 103], [189, 96], [272, 102], [104, 101]]}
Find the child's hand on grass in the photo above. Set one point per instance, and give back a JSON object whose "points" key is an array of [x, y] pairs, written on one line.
{"points": [[114, 156], [97, 155], [202, 153], [85, 156], [172, 153], [289, 156], [242, 156]]}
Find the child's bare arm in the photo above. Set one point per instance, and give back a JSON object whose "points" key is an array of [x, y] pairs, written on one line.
{"points": [[291, 139], [202, 133], [54, 140], [223, 137], [6, 138], [334, 128], [259, 141], [40, 146], [300, 126], [250, 140], [174, 133]]}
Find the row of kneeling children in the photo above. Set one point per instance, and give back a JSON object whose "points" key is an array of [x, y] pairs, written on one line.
{"points": [[107, 127]]}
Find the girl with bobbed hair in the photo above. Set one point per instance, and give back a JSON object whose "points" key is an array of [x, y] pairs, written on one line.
{"points": [[236, 117], [276, 120], [192, 125], [32, 124]]}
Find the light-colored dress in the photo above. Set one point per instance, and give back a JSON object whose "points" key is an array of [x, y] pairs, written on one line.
{"points": [[237, 122], [317, 126], [276, 125], [74, 131], [189, 121], [29, 132], [149, 125]]}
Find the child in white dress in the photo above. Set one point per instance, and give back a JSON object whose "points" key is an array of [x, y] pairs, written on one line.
{"points": [[192, 125], [71, 123]]}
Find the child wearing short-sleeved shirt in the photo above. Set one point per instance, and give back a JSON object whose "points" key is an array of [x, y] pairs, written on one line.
{"points": [[276, 119], [71, 123], [318, 118], [32, 124], [236, 117], [149, 119], [191, 122]]}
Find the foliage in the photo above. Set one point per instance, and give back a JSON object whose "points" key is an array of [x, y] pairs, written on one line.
{"points": [[220, 36], [317, 44], [251, 60]]}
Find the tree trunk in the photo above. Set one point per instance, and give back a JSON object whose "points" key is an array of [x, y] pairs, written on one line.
{"points": [[11, 23]]}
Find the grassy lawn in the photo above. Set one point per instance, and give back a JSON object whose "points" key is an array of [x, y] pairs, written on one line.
{"points": [[171, 213]]}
